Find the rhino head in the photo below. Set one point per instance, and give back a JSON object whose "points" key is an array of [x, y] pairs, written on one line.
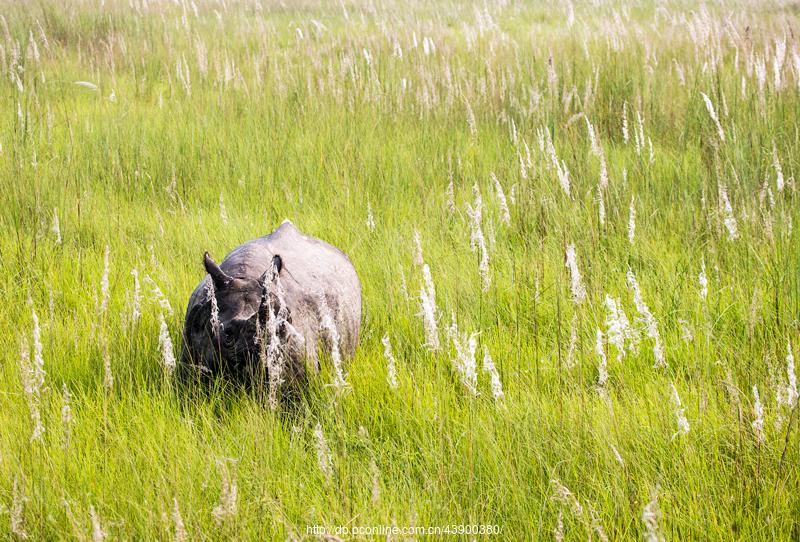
{"points": [[244, 306]]}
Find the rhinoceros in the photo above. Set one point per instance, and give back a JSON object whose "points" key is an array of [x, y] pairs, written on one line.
{"points": [[269, 306]]}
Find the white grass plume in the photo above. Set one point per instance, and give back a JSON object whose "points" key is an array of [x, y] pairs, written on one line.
{"points": [[649, 320], [703, 279], [791, 388], [167, 352], [370, 218], [651, 517], [602, 368], [501, 198], [687, 334], [67, 418], [523, 168], [680, 416], [177, 520], [324, 459], [638, 133], [563, 495], [601, 207], [327, 324], [38, 355], [17, 520], [576, 283], [104, 286], [31, 390], [560, 166], [87, 85], [464, 360], [451, 197], [471, 122], [158, 295], [391, 363], [403, 285], [270, 343], [572, 348], [98, 533], [625, 133], [597, 150], [211, 296], [727, 213], [427, 297], [597, 527], [223, 212], [56, 229], [477, 241], [632, 221], [108, 375], [33, 375], [777, 62], [376, 482], [776, 163], [558, 531], [418, 259], [617, 326], [491, 370], [228, 500], [713, 114], [136, 305], [617, 455]]}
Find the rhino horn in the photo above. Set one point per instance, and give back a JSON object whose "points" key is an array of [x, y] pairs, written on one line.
{"points": [[217, 275]]}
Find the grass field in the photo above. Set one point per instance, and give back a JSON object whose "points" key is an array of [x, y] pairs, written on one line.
{"points": [[634, 269]]}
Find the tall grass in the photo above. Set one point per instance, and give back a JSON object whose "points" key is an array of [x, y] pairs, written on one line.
{"points": [[652, 147]]}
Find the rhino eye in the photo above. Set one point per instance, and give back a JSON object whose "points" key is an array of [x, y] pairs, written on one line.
{"points": [[228, 336]]}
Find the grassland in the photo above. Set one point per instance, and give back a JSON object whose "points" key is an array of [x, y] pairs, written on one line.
{"points": [[148, 132]]}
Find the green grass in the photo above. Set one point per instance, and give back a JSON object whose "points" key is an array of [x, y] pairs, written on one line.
{"points": [[309, 129]]}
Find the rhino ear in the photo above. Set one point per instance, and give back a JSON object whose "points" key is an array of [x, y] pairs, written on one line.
{"points": [[270, 275], [273, 270], [217, 275]]}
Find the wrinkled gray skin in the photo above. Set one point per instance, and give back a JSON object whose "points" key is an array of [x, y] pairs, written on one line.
{"points": [[245, 284]]}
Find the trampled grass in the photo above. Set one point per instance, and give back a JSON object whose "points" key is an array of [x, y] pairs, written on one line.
{"points": [[200, 125]]}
